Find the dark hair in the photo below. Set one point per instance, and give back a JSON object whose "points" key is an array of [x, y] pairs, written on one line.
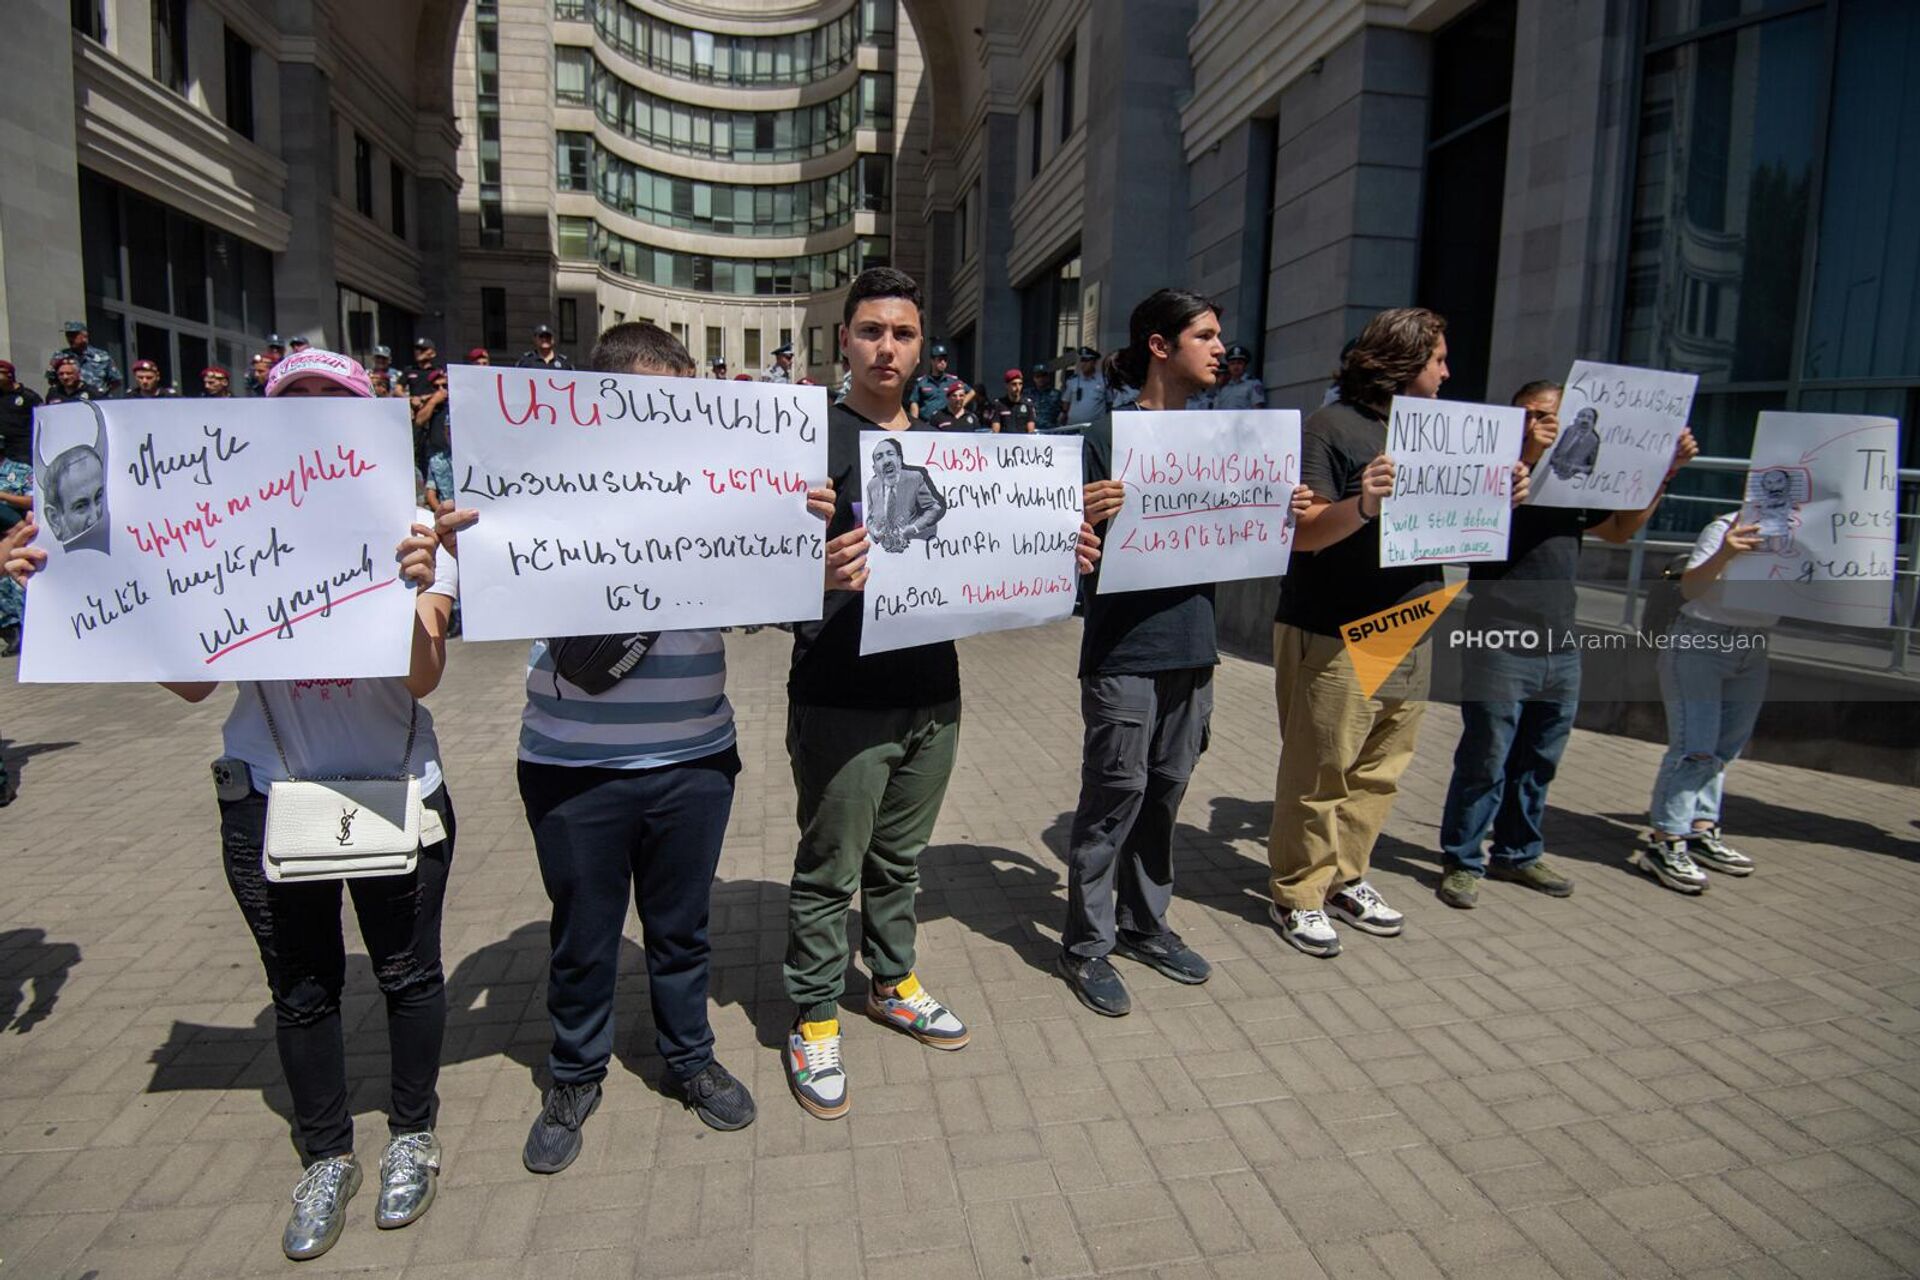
{"points": [[1535, 389], [1389, 353], [881, 282], [1165, 312], [893, 445], [637, 344]]}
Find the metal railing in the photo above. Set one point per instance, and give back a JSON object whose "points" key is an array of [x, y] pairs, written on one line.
{"points": [[1906, 569]]}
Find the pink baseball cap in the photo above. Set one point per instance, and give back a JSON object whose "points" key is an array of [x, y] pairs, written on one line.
{"points": [[331, 366]]}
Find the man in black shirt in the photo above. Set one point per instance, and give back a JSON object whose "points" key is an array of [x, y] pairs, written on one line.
{"points": [[1343, 747], [956, 416], [543, 356], [1518, 702], [1012, 414], [1146, 695], [419, 375], [17, 404]]}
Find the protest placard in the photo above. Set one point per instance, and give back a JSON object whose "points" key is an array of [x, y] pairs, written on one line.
{"points": [[1618, 428], [618, 502], [220, 540], [967, 536], [1207, 497], [1452, 500], [1823, 490]]}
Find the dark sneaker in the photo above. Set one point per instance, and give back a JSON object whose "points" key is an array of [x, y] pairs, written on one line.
{"points": [[712, 1093], [1360, 905], [554, 1140], [1460, 888], [1668, 862], [1095, 983], [1707, 846], [1168, 954], [1535, 875]]}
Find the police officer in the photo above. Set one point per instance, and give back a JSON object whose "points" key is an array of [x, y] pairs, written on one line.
{"points": [[1084, 397], [276, 349], [781, 370], [297, 344], [215, 383], [718, 368], [17, 403], [147, 384], [419, 376], [382, 362], [1238, 390], [1045, 398], [543, 356], [929, 394], [96, 367], [64, 375], [956, 416], [1012, 414]]}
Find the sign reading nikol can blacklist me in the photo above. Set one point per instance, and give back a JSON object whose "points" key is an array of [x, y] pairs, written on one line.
{"points": [[1452, 499]]}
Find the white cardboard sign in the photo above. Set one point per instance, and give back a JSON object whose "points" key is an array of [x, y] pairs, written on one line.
{"points": [[967, 536], [1618, 429], [1208, 496], [1823, 488], [618, 502], [1452, 500], [220, 540]]}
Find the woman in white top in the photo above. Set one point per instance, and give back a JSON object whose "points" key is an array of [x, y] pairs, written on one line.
{"points": [[1713, 679], [343, 728]]}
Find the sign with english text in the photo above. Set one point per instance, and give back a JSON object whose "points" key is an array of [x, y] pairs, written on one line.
{"points": [[620, 502], [1452, 500], [1823, 490], [198, 540], [967, 537], [1618, 429], [1208, 496]]}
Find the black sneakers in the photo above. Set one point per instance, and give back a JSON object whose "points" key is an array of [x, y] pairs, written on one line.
{"points": [[1168, 954], [554, 1141], [713, 1094], [1095, 984]]}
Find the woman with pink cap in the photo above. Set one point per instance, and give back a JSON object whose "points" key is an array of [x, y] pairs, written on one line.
{"points": [[341, 729]]}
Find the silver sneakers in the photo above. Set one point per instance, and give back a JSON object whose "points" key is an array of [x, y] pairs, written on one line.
{"points": [[408, 1172], [320, 1206]]}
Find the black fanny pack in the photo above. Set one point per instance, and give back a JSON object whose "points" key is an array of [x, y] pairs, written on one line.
{"points": [[594, 664]]}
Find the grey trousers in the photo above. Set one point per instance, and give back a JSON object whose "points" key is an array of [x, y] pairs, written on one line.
{"points": [[1144, 733]]}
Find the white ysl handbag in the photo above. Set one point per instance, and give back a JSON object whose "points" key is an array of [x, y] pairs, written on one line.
{"points": [[341, 828]]}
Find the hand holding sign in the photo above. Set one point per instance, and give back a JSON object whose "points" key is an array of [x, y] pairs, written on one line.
{"points": [[1618, 433], [1454, 474]]}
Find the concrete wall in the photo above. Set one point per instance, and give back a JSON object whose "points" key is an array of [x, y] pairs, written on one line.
{"points": [[40, 283]]}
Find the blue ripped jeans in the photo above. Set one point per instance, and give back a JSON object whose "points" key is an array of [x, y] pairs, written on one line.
{"points": [[1713, 685]]}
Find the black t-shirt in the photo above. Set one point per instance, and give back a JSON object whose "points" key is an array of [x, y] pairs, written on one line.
{"points": [[1014, 418], [419, 379], [1326, 589], [1534, 584], [1140, 632], [16, 421], [965, 420], [828, 670]]}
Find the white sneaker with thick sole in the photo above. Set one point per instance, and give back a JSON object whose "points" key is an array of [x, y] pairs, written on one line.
{"points": [[1360, 905], [1308, 931], [1707, 846], [1668, 862]]}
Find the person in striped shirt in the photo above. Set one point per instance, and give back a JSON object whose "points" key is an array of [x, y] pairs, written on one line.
{"points": [[627, 765]]}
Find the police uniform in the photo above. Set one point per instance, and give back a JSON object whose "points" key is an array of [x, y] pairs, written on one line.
{"points": [[532, 360], [1011, 417], [773, 372], [965, 420], [16, 419], [1084, 397], [1248, 393], [85, 393], [97, 369], [1046, 405], [929, 393]]}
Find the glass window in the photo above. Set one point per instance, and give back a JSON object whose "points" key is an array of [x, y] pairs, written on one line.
{"points": [[573, 157], [1068, 104], [1667, 18], [1724, 178], [1866, 283], [239, 65], [187, 264], [576, 238], [146, 238], [170, 43], [362, 175], [571, 68]]}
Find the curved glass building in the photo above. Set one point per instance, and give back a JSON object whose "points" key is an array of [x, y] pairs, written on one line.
{"points": [[722, 168]]}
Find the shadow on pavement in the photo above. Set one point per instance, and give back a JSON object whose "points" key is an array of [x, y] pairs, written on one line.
{"points": [[1744, 815], [28, 959], [13, 762]]}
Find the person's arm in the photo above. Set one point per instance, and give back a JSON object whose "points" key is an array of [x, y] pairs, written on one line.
{"points": [[431, 610], [1326, 521], [18, 501], [1622, 525], [1704, 570], [423, 414], [190, 690]]}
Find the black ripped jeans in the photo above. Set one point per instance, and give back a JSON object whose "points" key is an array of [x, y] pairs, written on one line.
{"points": [[297, 928]]}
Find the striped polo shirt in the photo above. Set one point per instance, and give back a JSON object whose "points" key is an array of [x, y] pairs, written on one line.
{"points": [[669, 709]]}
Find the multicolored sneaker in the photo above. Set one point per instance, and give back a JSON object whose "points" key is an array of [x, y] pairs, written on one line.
{"points": [[912, 1010], [1707, 846], [814, 1073], [1361, 906], [1668, 862], [1308, 931]]}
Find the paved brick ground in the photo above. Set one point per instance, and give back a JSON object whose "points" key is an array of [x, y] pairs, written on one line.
{"points": [[1623, 1083]]}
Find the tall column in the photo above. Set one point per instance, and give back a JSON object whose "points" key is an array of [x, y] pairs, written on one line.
{"points": [[41, 282], [998, 332], [306, 294]]}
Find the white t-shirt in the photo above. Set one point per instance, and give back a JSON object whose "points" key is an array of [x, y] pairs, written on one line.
{"points": [[339, 728], [1708, 608]]}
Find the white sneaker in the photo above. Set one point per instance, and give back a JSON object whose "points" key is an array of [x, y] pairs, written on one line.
{"points": [[1308, 931], [1707, 846], [1360, 905], [814, 1073], [1668, 862]]}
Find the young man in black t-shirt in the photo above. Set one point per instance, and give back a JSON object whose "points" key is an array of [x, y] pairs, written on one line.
{"points": [[1518, 703], [1343, 747]]}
